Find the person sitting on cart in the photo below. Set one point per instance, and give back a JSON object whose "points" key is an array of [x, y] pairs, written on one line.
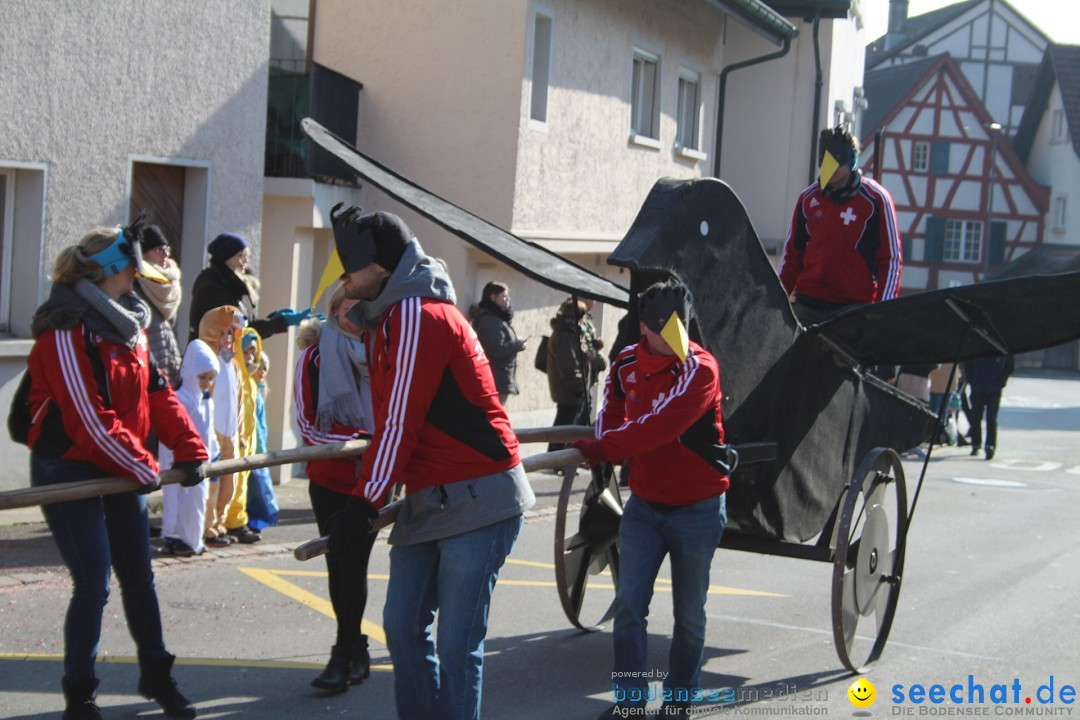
{"points": [[661, 411], [843, 247]]}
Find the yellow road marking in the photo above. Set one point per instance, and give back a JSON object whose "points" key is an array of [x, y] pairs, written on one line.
{"points": [[199, 662], [272, 579]]}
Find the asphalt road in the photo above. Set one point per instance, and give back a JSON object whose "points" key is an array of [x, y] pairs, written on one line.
{"points": [[988, 599]]}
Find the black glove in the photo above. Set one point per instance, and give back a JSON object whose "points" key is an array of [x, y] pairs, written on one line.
{"points": [[192, 470], [147, 488], [350, 526]]}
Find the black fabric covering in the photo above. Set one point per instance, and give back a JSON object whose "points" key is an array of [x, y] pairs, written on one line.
{"points": [[1010, 317], [780, 385], [528, 258]]}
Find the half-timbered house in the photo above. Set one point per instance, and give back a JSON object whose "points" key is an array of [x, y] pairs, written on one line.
{"points": [[951, 173]]}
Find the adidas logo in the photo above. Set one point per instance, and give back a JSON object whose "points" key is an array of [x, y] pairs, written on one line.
{"points": [[631, 378], [814, 202]]}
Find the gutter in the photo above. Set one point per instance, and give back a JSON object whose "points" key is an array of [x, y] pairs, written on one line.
{"points": [[723, 89], [759, 17]]}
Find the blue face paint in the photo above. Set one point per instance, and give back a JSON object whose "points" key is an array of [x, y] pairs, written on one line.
{"points": [[116, 257]]}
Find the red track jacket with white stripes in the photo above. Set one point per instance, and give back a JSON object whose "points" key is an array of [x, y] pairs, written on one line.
{"points": [[96, 401], [337, 474], [843, 253], [437, 414], [665, 416]]}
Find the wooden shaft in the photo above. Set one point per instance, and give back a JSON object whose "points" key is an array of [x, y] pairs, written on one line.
{"points": [[540, 461], [82, 489]]}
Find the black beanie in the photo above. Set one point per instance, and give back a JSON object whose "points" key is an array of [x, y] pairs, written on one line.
{"points": [[152, 237], [378, 237], [225, 245]]}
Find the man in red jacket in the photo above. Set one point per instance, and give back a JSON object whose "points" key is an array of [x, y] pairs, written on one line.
{"points": [[843, 247], [661, 412], [442, 433]]}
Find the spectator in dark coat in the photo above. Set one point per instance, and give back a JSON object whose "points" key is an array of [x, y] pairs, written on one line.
{"points": [[573, 365], [225, 282], [491, 320], [986, 377]]}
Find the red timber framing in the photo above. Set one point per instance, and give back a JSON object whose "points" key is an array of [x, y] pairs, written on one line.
{"points": [[937, 150]]}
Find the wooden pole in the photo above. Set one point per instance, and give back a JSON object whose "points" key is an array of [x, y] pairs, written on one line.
{"points": [[82, 489], [541, 461]]}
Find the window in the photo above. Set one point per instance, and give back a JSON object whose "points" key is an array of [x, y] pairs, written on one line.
{"points": [[689, 102], [541, 68], [920, 157], [963, 241], [1057, 129], [23, 273], [645, 95], [1057, 221]]}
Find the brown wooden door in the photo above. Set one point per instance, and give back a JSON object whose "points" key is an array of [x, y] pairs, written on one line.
{"points": [[159, 190]]}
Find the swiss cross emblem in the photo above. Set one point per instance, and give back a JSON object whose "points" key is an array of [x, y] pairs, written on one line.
{"points": [[848, 215]]}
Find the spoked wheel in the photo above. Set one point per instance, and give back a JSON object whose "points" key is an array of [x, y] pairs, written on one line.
{"points": [[590, 549], [869, 559]]}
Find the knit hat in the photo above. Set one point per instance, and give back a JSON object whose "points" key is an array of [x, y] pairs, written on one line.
{"points": [[378, 237], [225, 245], [151, 238]]}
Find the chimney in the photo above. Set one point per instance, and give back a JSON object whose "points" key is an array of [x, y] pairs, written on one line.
{"points": [[895, 35]]}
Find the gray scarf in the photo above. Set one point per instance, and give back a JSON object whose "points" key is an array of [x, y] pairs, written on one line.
{"points": [[128, 317], [344, 388]]}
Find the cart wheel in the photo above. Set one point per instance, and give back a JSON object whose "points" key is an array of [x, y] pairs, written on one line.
{"points": [[592, 548], [868, 563]]}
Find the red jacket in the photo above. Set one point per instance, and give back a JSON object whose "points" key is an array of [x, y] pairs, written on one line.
{"points": [[664, 415], [437, 414], [843, 253], [96, 401], [337, 474]]}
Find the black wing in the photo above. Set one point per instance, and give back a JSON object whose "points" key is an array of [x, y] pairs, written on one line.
{"points": [[954, 324], [530, 259]]}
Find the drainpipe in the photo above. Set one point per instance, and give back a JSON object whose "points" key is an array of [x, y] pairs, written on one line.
{"points": [[723, 88], [818, 83]]}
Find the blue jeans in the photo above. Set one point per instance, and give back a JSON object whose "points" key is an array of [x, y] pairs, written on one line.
{"points": [[689, 535], [454, 576], [91, 535]]}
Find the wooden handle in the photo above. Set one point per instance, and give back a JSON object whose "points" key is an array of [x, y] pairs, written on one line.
{"points": [[540, 461], [82, 489]]}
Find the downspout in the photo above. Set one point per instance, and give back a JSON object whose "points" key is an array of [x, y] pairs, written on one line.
{"points": [[723, 88], [818, 83]]}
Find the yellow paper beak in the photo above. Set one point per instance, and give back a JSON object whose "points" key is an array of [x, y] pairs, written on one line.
{"points": [[675, 336], [334, 270], [147, 270], [829, 166]]}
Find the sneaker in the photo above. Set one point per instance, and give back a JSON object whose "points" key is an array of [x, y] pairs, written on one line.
{"points": [[215, 541], [178, 547], [243, 534]]}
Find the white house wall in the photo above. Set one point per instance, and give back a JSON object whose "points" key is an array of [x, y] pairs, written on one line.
{"points": [[90, 88], [579, 173], [1054, 163]]}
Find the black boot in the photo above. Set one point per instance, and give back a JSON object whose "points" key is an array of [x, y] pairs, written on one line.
{"points": [[361, 662], [79, 698], [156, 683], [335, 677]]}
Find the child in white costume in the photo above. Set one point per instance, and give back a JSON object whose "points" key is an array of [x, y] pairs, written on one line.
{"points": [[184, 508]]}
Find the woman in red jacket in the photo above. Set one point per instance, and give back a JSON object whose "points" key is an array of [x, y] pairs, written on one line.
{"points": [[95, 395], [333, 404]]}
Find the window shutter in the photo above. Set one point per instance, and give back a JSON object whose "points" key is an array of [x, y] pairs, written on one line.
{"points": [[997, 243], [935, 239], [939, 157]]}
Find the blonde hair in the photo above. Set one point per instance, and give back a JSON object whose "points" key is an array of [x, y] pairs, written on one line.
{"points": [[72, 264]]}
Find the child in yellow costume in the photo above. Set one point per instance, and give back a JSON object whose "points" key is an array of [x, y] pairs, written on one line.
{"points": [[220, 329], [246, 361]]}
